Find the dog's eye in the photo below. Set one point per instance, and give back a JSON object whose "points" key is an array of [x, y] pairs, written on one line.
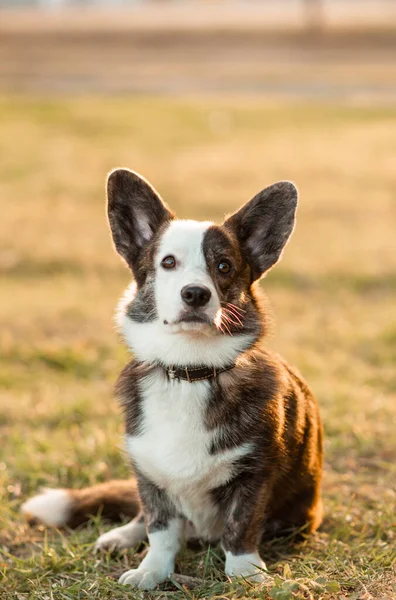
{"points": [[224, 267], [169, 262]]}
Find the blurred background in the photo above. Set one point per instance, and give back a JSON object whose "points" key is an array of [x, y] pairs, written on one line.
{"points": [[324, 49], [211, 101]]}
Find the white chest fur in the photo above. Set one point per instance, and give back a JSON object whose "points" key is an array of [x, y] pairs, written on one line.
{"points": [[172, 449]]}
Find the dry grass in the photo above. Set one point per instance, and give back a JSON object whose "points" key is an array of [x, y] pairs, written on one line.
{"points": [[334, 297]]}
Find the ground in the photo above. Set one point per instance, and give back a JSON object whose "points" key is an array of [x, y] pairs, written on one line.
{"points": [[333, 296]]}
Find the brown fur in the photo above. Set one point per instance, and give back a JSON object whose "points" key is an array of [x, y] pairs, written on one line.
{"points": [[115, 499]]}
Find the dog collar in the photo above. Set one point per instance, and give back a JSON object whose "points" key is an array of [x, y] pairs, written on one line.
{"points": [[192, 374]]}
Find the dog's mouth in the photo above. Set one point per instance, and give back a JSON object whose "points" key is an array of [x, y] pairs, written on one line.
{"points": [[193, 317], [191, 322]]}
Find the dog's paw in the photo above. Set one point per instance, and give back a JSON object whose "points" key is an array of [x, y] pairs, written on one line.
{"points": [[249, 566], [121, 538], [112, 541], [142, 579]]}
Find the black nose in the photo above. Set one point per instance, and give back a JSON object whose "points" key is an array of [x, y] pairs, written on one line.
{"points": [[195, 295]]}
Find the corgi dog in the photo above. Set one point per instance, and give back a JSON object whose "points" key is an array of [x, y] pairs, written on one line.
{"points": [[224, 436]]}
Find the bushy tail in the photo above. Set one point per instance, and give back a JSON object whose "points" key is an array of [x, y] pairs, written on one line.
{"points": [[70, 508]]}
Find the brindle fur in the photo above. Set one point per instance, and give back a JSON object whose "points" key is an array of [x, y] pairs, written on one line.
{"points": [[261, 401], [277, 487]]}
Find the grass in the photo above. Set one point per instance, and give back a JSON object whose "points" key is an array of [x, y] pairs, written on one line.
{"points": [[334, 297]]}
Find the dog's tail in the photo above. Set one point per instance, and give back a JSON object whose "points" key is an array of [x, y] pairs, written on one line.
{"points": [[70, 508]]}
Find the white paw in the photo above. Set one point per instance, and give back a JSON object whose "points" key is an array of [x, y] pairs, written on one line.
{"points": [[112, 541], [250, 566], [120, 538], [142, 578]]}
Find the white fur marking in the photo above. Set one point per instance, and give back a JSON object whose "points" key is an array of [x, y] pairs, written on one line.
{"points": [[52, 507], [159, 562], [249, 565], [173, 449], [151, 342], [183, 240], [184, 343]]}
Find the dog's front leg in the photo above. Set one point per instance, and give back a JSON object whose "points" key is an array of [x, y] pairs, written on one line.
{"points": [[165, 529], [242, 533]]}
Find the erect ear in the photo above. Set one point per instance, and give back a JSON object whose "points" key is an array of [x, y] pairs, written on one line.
{"points": [[264, 225], [135, 211]]}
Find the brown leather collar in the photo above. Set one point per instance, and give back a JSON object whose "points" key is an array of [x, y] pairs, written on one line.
{"points": [[192, 374]]}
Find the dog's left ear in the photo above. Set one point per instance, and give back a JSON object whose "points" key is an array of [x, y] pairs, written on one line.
{"points": [[263, 225], [136, 212]]}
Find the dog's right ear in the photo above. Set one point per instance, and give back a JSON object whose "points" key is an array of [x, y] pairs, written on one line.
{"points": [[135, 211]]}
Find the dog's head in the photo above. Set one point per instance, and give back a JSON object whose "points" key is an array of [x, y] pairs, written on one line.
{"points": [[193, 280]]}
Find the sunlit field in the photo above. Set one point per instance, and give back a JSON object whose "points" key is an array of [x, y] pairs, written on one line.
{"points": [[333, 297]]}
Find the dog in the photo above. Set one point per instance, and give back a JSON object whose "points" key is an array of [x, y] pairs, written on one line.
{"points": [[225, 438]]}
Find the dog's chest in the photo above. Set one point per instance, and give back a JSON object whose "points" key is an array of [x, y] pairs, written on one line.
{"points": [[173, 448]]}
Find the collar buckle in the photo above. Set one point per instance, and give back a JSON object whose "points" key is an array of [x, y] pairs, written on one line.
{"points": [[172, 372]]}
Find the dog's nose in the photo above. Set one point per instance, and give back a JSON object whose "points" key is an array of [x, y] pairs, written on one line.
{"points": [[195, 295]]}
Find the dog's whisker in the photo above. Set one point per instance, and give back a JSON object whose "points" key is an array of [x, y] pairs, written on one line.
{"points": [[232, 322], [235, 313], [219, 322], [227, 317], [238, 320], [236, 307], [226, 326], [222, 330], [232, 309], [228, 329]]}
